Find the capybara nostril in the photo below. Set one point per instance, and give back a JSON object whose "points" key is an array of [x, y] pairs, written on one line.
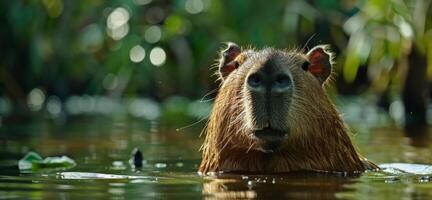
{"points": [[255, 80], [281, 82]]}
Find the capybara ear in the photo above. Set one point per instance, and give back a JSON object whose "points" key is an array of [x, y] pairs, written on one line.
{"points": [[227, 62], [320, 62]]}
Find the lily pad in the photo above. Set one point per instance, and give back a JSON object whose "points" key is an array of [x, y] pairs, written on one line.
{"points": [[33, 161]]}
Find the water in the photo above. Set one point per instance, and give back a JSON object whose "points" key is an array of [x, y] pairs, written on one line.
{"points": [[102, 148]]}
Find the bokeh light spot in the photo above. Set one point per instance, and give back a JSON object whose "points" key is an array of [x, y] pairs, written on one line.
{"points": [[118, 33], [117, 26], [157, 56], [6, 106], [194, 6], [35, 99], [145, 108], [118, 17], [396, 111], [153, 34], [137, 54], [92, 38], [54, 106]]}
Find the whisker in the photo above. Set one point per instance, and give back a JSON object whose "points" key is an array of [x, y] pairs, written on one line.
{"points": [[250, 147], [307, 42], [207, 94], [193, 124]]}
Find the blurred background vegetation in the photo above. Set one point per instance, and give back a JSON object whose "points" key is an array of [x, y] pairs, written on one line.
{"points": [[152, 59]]}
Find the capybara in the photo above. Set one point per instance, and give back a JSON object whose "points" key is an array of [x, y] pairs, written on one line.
{"points": [[272, 115]]}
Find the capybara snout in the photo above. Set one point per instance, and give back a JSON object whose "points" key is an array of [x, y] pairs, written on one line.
{"points": [[267, 92]]}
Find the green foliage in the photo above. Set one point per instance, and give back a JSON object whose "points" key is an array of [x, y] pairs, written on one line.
{"points": [[72, 47], [66, 47], [382, 35]]}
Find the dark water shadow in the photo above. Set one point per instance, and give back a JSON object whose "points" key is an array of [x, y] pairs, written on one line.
{"points": [[420, 136], [303, 185]]}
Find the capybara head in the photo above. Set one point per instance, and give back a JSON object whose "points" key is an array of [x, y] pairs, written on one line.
{"points": [[271, 103], [275, 91]]}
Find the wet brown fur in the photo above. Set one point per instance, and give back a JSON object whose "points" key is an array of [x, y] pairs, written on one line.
{"points": [[318, 138]]}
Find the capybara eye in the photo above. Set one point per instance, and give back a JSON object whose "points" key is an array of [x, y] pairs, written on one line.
{"points": [[283, 80], [254, 80], [305, 66]]}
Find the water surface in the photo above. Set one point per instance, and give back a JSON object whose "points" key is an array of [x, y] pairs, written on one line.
{"points": [[102, 148]]}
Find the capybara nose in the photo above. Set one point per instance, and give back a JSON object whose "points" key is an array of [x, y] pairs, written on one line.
{"points": [[278, 82]]}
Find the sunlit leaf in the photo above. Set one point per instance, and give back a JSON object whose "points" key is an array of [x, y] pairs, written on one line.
{"points": [[33, 161]]}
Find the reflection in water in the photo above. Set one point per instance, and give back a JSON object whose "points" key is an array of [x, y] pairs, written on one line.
{"points": [[419, 136], [294, 185]]}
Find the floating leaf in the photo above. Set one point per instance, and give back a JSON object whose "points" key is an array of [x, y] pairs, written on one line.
{"points": [[28, 160], [33, 161]]}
